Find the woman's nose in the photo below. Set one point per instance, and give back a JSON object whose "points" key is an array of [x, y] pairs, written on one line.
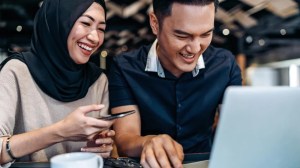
{"points": [[93, 36]]}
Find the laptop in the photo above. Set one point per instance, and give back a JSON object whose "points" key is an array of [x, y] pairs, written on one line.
{"points": [[259, 127]]}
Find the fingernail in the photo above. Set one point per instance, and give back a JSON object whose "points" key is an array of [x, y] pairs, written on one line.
{"points": [[82, 149], [101, 105]]}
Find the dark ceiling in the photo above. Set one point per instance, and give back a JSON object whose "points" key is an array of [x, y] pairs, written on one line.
{"points": [[261, 29]]}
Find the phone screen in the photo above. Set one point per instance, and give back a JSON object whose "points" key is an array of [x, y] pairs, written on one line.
{"points": [[118, 115]]}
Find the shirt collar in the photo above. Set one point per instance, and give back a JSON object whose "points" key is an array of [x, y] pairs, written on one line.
{"points": [[153, 63]]}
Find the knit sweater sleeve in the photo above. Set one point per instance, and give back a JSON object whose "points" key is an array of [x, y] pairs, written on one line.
{"points": [[9, 100], [9, 97]]}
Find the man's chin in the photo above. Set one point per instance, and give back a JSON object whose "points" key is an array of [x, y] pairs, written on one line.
{"points": [[188, 68]]}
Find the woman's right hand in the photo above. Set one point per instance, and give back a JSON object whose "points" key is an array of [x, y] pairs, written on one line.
{"points": [[77, 126]]}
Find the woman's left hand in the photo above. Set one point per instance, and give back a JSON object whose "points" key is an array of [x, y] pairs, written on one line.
{"points": [[102, 143]]}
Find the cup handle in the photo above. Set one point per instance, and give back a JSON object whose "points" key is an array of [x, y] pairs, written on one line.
{"points": [[100, 161]]}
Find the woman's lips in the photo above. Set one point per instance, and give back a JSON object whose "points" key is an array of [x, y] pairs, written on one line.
{"points": [[85, 48]]}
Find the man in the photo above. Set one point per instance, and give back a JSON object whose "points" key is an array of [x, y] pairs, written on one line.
{"points": [[175, 85]]}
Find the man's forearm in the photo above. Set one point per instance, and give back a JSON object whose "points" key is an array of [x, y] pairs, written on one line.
{"points": [[131, 145]]}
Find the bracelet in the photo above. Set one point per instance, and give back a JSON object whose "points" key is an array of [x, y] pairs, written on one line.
{"points": [[8, 149]]}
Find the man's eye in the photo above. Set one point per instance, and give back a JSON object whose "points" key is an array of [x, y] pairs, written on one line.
{"points": [[206, 35], [182, 37]]}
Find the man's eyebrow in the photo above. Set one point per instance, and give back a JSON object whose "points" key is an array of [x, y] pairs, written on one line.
{"points": [[212, 29], [185, 33], [181, 32], [90, 17]]}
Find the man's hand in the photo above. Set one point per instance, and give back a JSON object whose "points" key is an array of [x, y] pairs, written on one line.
{"points": [[161, 151]]}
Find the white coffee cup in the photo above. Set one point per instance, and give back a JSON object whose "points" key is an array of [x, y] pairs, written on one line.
{"points": [[77, 159]]}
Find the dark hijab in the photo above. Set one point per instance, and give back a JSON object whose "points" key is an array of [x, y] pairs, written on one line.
{"points": [[49, 61]]}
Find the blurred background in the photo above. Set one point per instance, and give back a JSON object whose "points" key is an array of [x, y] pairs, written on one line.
{"points": [[264, 35]]}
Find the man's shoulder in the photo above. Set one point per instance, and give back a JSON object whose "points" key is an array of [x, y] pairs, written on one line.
{"points": [[217, 52], [137, 54]]}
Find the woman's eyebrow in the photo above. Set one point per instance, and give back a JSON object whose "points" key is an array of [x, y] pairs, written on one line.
{"points": [[88, 16]]}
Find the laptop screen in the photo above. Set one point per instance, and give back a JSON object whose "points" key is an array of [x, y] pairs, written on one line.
{"points": [[259, 127]]}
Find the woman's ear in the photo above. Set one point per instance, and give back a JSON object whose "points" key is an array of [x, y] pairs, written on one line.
{"points": [[154, 23]]}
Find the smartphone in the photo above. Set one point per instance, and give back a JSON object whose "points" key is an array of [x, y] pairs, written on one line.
{"points": [[118, 115]]}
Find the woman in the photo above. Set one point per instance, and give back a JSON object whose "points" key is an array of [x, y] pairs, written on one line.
{"points": [[51, 95]]}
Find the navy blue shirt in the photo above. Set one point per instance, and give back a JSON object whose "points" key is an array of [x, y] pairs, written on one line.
{"points": [[184, 107]]}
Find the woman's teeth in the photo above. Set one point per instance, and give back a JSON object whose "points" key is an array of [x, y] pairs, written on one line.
{"points": [[85, 47]]}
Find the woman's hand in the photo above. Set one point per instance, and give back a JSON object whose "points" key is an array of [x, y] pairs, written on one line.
{"points": [[79, 127], [102, 143]]}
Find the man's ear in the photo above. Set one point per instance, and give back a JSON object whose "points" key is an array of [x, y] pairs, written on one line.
{"points": [[153, 23]]}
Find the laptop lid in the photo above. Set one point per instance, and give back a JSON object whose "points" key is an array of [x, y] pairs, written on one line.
{"points": [[259, 128]]}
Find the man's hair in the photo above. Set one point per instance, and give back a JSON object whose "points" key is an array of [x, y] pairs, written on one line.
{"points": [[163, 8]]}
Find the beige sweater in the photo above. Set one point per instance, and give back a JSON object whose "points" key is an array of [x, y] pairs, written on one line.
{"points": [[24, 107]]}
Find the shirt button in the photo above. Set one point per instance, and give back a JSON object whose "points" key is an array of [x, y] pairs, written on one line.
{"points": [[179, 105], [178, 128]]}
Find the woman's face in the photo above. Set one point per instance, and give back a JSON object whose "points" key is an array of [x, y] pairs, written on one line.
{"points": [[87, 34]]}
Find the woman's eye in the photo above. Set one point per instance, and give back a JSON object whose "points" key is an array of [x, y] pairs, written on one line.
{"points": [[86, 23], [101, 29]]}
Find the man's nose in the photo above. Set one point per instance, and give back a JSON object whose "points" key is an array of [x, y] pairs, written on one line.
{"points": [[194, 46]]}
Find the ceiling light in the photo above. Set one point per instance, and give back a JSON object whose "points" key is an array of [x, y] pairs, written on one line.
{"points": [[226, 32], [249, 39], [261, 42], [283, 32], [19, 28]]}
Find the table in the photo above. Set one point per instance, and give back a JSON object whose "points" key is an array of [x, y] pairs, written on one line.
{"points": [[188, 158]]}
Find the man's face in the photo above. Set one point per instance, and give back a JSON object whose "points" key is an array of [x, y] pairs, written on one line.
{"points": [[183, 36]]}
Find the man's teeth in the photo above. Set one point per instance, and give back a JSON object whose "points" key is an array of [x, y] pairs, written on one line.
{"points": [[188, 55], [85, 47]]}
